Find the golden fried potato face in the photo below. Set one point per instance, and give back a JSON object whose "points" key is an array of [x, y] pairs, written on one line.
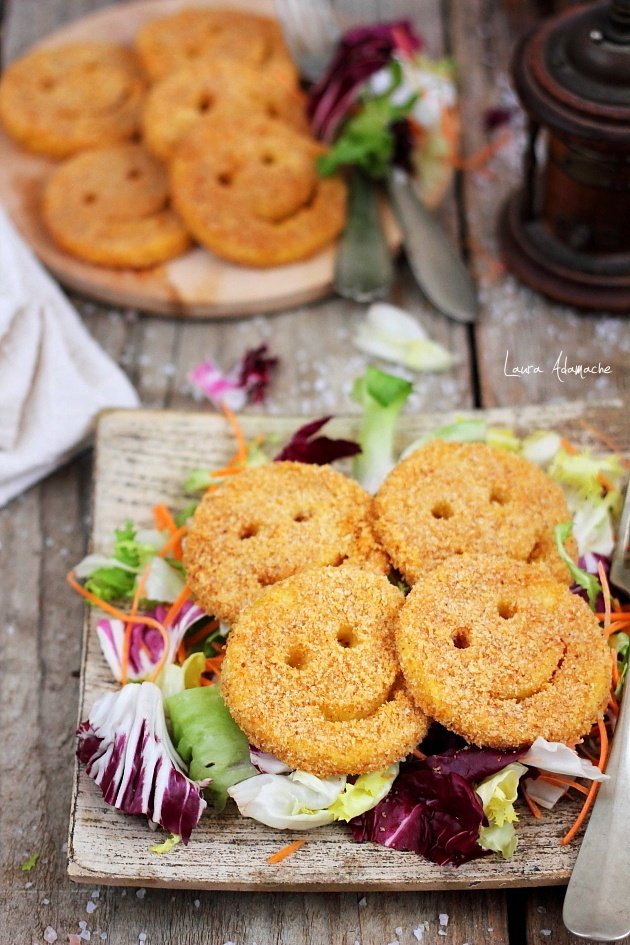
{"points": [[195, 36], [248, 190], [453, 498], [501, 653], [110, 206], [62, 100], [184, 98], [311, 675], [270, 522]]}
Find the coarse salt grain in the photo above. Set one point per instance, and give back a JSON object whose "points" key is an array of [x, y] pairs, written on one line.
{"points": [[545, 932], [28, 885], [141, 893], [50, 935], [418, 933], [85, 935], [443, 917], [197, 903], [82, 924], [90, 906], [142, 936], [362, 902], [398, 931], [95, 894], [45, 902]]}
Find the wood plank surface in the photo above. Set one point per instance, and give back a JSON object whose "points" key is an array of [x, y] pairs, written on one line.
{"points": [[142, 458], [44, 531]]}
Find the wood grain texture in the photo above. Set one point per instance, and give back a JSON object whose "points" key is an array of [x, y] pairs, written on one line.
{"points": [[195, 285], [515, 319], [44, 532], [142, 458]]}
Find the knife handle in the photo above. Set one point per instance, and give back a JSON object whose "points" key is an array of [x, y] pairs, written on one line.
{"points": [[597, 904], [363, 265]]}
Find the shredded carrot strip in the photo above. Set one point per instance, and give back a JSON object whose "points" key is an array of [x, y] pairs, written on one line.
{"points": [[567, 447], [284, 852], [615, 669], [163, 519], [241, 447], [200, 635], [206, 682], [590, 797], [225, 471], [174, 544], [418, 754], [534, 808], [478, 159], [137, 594], [607, 441], [125, 618], [603, 580], [604, 482], [173, 610], [563, 782]]}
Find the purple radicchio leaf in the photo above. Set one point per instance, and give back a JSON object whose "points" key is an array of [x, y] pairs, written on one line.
{"points": [[589, 563], [305, 447], [245, 382], [432, 808], [146, 644], [361, 52], [126, 749], [432, 814]]}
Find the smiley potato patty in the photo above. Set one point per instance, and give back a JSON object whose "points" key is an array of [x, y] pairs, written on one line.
{"points": [[500, 653], [270, 522], [311, 675]]}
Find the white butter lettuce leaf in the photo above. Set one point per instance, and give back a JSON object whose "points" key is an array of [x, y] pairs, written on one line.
{"points": [[498, 794], [560, 759], [296, 801], [393, 334]]}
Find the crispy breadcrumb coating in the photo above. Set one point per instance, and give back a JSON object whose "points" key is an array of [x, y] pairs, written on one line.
{"points": [[501, 653], [311, 674], [451, 498], [270, 522]]}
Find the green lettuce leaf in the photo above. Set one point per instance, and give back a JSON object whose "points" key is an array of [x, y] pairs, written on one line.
{"points": [[117, 583], [366, 140], [498, 793], [587, 581], [209, 741], [364, 794], [621, 644]]}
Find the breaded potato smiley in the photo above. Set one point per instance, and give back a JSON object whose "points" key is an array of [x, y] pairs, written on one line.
{"points": [[84, 95], [501, 653], [311, 675], [453, 498], [270, 522]]}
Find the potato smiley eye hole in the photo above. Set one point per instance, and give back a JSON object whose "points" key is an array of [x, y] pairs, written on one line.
{"points": [[506, 609], [461, 639], [498, 496], [205, 103], [133, 173], [346, 637], [224, 180], [267, 159], [296, 659], [302, 516], [442, 510], [89, 199], [248, 532]]}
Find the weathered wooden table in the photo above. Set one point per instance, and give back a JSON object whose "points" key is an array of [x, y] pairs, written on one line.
{"points": [[43, 532]]}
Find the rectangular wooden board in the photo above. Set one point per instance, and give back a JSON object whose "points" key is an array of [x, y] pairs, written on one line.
{"points": [[142, 458]]}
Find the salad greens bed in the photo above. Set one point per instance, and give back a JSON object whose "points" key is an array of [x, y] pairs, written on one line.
{"points": [[165, 746]]}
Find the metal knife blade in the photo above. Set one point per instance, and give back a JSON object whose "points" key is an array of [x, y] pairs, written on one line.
{"points": [[434, 261], [620, 564]]}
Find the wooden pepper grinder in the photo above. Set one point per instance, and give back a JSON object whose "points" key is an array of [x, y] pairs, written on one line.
{"points": [[567, 231]]}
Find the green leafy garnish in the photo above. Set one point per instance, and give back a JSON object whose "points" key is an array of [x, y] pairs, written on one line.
{"points": [[171, 841], [117, 583], [382, 397], [30, 862], [621, 644], [584, 580], [208, 741], [366, 139]]}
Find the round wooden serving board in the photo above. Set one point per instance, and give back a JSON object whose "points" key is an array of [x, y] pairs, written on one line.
{"points": [[196, 285]]}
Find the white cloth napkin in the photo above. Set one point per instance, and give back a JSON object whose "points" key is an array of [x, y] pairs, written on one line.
{"points": [[54, 378]]}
